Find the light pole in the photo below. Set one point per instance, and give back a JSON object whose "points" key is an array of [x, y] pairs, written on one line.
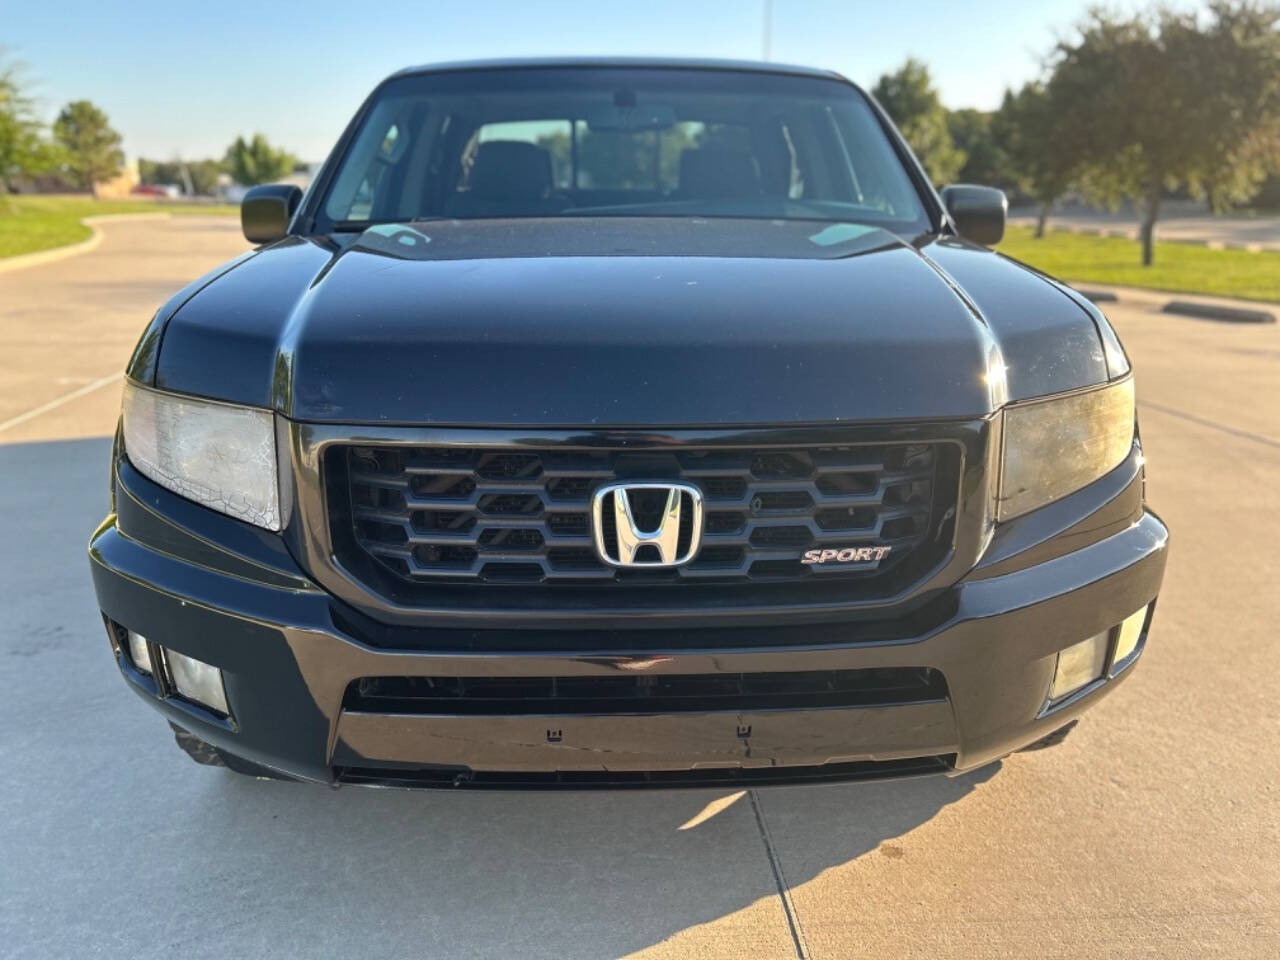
{"points": [[766, 39]]}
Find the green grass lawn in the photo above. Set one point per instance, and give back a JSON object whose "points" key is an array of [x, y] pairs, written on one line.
{"points": [[1178, 267], [31, 223]]}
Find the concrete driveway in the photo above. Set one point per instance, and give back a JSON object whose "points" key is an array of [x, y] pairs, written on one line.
{"points": [[1154, 831]]}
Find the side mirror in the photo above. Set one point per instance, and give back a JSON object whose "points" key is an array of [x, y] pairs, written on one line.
{"points": [[978, 212], [265, 211]]}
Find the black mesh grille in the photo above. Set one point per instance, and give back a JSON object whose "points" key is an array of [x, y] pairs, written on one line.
{"points": [[437, 514]]}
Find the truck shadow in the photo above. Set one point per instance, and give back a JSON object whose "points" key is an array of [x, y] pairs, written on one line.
{"points": [[553, 874]]}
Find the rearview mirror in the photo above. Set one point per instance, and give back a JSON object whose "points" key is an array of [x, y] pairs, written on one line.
{"points": [[978, 212], [630, 118], [265, 212]]}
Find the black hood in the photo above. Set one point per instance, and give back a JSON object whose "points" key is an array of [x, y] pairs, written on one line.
{"points": [[613, 322]]}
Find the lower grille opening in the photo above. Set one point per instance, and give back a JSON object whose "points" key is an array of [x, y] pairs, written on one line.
{"points": [[465, 778], [645, 694]]}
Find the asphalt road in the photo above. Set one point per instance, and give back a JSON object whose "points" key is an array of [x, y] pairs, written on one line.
{"points": [[1154, 831]]}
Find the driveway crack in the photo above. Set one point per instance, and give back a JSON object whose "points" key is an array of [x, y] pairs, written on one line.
{"points": [[780, 880]]}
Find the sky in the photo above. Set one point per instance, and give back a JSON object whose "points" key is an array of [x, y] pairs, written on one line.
{"points": [[183, 80]]}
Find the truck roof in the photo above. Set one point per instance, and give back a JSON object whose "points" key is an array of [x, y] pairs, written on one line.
{"points": [[684, 63]]}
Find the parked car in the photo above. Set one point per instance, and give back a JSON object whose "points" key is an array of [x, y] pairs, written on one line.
{"points": [[624, 423], [169, 190]]}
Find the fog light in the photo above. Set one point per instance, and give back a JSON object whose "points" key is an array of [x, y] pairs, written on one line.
{"points": [[197, 680], [1080, 664], [1130, 633], [139, 653]]}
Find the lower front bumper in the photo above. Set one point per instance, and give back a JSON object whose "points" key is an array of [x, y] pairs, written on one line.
{"points": [[289, 654]]}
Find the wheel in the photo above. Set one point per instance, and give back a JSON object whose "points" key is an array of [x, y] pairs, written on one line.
{"points": [[1051, 739], [210, 756]]}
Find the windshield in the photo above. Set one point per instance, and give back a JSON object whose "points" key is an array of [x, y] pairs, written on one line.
{"points": [[613, 141]]}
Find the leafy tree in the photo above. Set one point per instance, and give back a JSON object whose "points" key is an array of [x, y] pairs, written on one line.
{"points": [[1268, 195], [986, 160], [91, 147], [23, 148], [194, 176], [1042, 148], [1163, 100], [203, 175], [910, 99], [257, 161], [154, 172]]}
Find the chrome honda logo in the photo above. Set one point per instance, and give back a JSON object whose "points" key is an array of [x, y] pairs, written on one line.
{"points": [[646, 515]]}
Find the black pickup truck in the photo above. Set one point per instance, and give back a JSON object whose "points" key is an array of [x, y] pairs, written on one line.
{"points": [[624, 423]]}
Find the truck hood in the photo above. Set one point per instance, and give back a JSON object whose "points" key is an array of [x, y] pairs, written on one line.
{"points": [[625, 322]]}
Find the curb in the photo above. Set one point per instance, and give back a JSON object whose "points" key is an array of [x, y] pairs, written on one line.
{"points": [[1205, 311], [54, 254], [1222, 312]]}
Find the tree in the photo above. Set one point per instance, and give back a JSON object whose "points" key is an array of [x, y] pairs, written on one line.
{"points": [[92, 148], [908, 96], [23, 148], [986, 160], [1268, 195], [1162, 100], [257, 161], [198, 177], [1042, 148]]}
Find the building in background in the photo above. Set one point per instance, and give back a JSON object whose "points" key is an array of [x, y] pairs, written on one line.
{"points": [[119, 186]]}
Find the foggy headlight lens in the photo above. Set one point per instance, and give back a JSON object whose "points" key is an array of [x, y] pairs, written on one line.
{"points": [[139, 653], [1080, 664], [1130, 634], [1054, 447], [219, 455], [197, 680]]}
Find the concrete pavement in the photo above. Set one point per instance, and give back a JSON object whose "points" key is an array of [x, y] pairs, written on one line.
{"points": [[70, 323], [1154, 831]]}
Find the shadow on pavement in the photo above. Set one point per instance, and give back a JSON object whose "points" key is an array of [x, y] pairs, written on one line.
{"points": [[114, 839]]}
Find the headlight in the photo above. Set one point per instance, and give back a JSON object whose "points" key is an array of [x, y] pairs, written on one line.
{"points": [[1054, 447], [219, 455]]}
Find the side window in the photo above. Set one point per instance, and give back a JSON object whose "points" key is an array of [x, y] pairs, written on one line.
{"points": [[389, 152], [795, 172], [390, 141], [812, 146], [648, 160], [616, 159], [366, 173], [874, 169], [549, 135]]}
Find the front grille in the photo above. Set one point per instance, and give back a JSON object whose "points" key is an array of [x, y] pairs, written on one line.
{"points": [[646, 693], [438, 514]]}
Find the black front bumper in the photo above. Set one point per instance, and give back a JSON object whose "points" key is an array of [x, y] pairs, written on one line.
{"points": [[290, 652]]}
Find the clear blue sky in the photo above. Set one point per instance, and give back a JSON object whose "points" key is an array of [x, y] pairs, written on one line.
{"points": [[184, 79]]}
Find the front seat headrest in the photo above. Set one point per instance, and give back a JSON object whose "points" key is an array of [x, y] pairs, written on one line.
{"points": [[510, 170]]}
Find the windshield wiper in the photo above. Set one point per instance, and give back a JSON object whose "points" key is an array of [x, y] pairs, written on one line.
{"points": [[359, 226]]}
